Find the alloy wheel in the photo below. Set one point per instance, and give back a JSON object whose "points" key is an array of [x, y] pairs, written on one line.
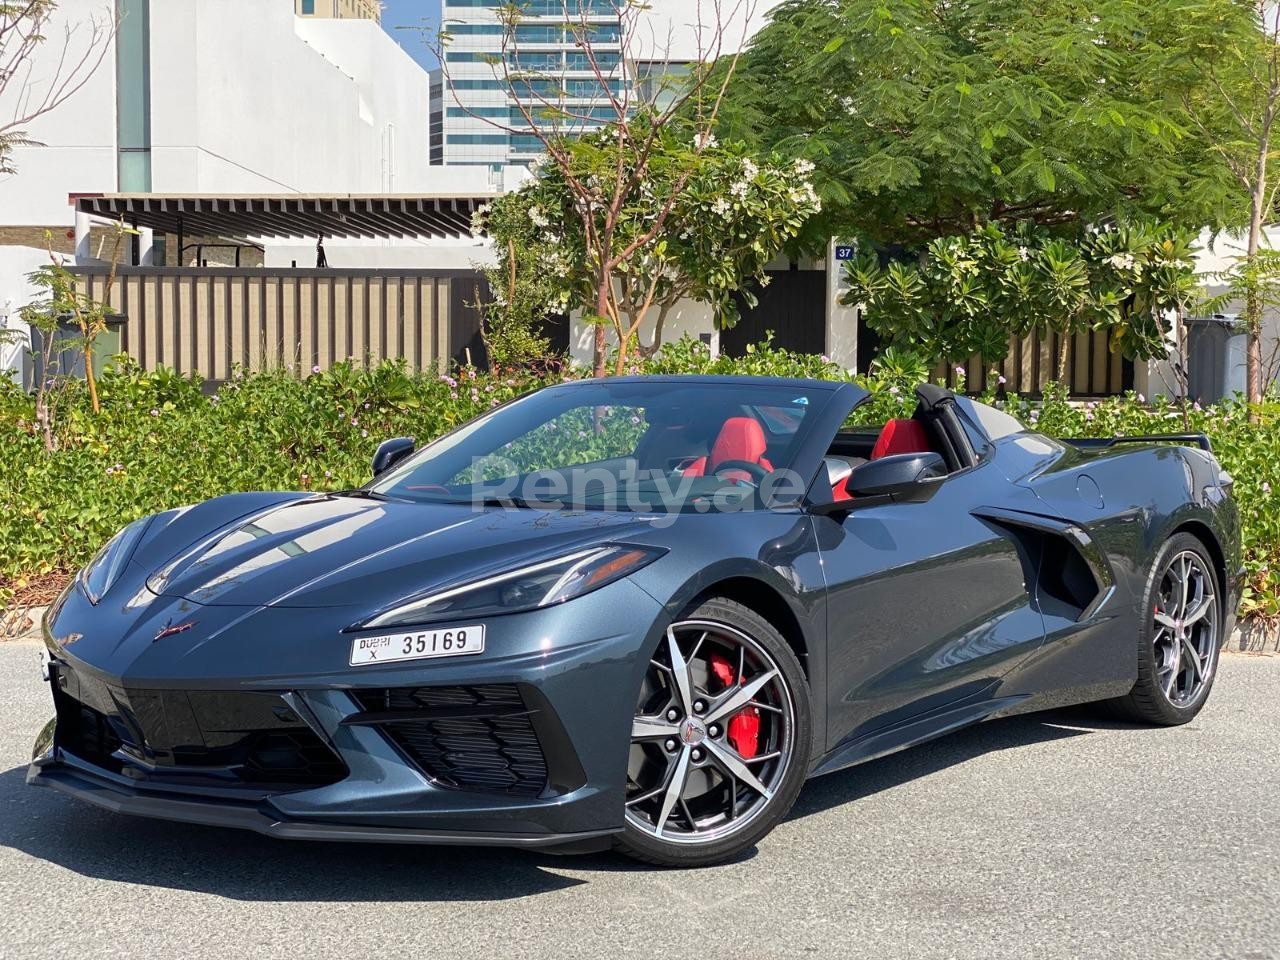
{"points": [[1186, 629], [713, 735]]}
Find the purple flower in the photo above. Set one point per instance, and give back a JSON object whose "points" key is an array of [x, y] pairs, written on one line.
{"points": [[1266, 487], [1196, 406], [511, 383], [155, 412], [355, 422], [1088, 415], [1001, 380], [453, 394], [327, 474], [1141, 398], [493, 403], [582, 433], [316, 368], [366, 406], [635, 419], [893, 390], [960, 371], [825, 358]]}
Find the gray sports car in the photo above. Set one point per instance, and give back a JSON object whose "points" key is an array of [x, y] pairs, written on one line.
{"points": [[637, 612]]}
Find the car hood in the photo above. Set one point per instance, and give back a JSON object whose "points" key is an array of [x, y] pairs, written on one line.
{"points": [[339, 550]]}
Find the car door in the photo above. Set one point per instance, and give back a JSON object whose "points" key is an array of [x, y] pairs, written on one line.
{"points": [[927, 604]]}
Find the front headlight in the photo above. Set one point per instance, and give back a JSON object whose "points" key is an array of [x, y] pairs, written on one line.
{"points": [[109, 562], [527, 588]]}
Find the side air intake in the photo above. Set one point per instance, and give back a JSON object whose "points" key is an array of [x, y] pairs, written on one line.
{"points": [[1067, 573]]}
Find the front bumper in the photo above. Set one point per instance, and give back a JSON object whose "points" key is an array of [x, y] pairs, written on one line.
{"points": [[91, 786], [576, 668]]}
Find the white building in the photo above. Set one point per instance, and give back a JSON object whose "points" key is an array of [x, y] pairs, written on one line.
{"points": [[667, 35], [216, 97]]}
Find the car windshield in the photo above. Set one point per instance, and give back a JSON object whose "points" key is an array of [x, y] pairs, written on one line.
{"points": [[627, 445]]}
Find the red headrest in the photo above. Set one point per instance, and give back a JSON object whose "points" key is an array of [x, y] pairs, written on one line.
{"points": [[741, 438], [901, 436]]}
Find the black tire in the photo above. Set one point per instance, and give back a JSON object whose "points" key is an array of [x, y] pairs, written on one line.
{"points": [[1148, 701], [645, 846]]}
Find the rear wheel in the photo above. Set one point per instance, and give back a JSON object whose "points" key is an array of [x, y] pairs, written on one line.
{"points": [[720, 740], [1181, 636]]}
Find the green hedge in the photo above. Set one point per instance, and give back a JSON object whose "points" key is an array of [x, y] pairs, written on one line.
{"points": [[159, 442]]}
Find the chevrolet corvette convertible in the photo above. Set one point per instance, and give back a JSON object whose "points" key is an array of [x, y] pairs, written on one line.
{"points": [[637, 612]]}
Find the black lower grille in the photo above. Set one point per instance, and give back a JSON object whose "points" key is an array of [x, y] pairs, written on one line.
{"points": [[231, 739], [469, 738]]}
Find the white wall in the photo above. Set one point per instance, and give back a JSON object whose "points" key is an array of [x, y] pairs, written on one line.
{"points": [[434, 254], [15, 293], [79, 137], [246, 98]]}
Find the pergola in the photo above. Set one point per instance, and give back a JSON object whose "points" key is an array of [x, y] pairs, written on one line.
{"points": [[284, 215]]}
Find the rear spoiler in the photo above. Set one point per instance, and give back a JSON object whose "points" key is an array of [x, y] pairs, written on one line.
{"points": [[1185, 439]]}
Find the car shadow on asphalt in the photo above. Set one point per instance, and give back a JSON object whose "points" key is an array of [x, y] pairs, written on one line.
{"points": [[241, 865], [245, 866], [969, 743]]}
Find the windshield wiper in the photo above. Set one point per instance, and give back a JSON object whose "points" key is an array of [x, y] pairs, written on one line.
{"points": [[519, 502], [369, 495]]}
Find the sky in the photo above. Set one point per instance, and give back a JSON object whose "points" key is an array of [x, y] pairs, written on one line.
{"points": [[411, 13]]}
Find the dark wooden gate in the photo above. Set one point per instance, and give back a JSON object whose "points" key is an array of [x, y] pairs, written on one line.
{"points": [[793, 306]]}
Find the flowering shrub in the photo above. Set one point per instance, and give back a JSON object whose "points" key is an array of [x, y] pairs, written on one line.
{"points": [[161, 442]]}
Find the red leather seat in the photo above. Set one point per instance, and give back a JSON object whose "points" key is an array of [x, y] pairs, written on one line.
{"points": [[741, 438], [901, 436]]}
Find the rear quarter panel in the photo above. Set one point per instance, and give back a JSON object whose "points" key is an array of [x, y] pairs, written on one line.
{"points": [[1129, 499]]}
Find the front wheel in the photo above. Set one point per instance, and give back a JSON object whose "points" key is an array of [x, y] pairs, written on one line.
{"points": [[1181, 636], [720, 741]]}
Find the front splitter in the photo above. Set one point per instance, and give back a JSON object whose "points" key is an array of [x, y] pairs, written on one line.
{"points": [[118, 799]]}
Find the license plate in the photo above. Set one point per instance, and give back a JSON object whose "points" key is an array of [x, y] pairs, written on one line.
{"points": [[417, 645]]}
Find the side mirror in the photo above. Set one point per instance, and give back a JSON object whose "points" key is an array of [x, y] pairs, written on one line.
{"points": [[391, 452], [907, 477], [904, 478]]}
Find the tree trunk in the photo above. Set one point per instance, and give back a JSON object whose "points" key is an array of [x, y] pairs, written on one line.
{"points": [[1252, 302], [602, 307], [1064, 355]]}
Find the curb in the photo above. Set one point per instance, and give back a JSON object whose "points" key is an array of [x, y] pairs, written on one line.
{"points": [[21, 624], [1257, 637]]}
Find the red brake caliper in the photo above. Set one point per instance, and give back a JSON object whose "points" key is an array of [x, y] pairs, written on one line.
{"points": [[744, 726]]}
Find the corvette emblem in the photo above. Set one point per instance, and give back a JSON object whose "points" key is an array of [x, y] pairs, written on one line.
{"points": [[169, 629]]}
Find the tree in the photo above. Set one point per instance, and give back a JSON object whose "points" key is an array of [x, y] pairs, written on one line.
{"points": [[641, 110], [24, 25], [726, 214], [63, 302], [930, 118], [524, 286], [1224, 75], [971, 294]]}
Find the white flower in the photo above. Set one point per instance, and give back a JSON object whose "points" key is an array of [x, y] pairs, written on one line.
{"points": [[721, 207], [538, 218], [1024, 254], [705, 141], [749, 169], [803, 167], [1122, 261]]}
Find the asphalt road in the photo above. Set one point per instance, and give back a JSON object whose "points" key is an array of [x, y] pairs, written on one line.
{"points": [[1047, 836]]}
